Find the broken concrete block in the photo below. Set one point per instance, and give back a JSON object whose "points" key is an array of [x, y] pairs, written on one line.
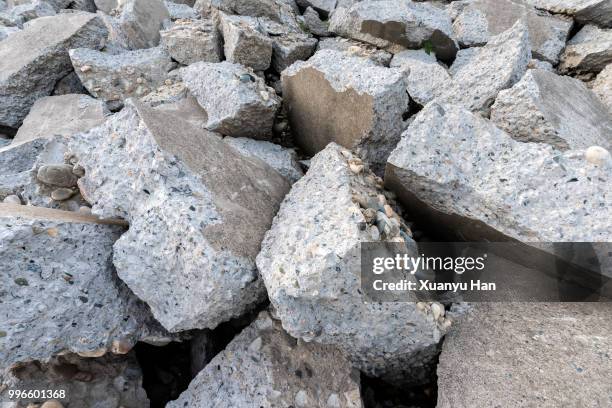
{"points": [[597, 12], [32, 10], [290, 48], [313, 23], [106, 6], [457, 169], [246, 42], [61, 115], [348, 100], [189, 41], [34, 59], [109, 380], [237, 102], [558, 110], [356, 48], [310, 263], [197, 211], [323, 7], [602, 86], [537, 64], [280, 158], [6, 31], [281, 11], [180, 11], [93, 311], [116, 77], [16, 163], [264, 366], [489, 359], [496, 66], [141, 21], [589, 51], [403, 24], [471, 27], [70, 84]]}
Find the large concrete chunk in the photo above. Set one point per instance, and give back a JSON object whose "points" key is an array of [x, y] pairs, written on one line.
{"points": [[281, 11], [180, 11], [290, 44], [402, 23], [602, 86], [31, 10], [197, 210], [558, 110], [107, 381], [426, 77], [324, 7], [264, 367], [190, 41], [489, 360], [246, 42], [589, 51], [356, 48], [238, 102], [16, 162], [457, 169], [61, 115], [116, 77], [584, 11], [141, 21], [34, 59], [310, 263], [69, 299], [348, 100]]}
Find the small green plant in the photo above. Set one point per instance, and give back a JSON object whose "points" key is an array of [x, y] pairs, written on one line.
{"points": [[428, 47]]}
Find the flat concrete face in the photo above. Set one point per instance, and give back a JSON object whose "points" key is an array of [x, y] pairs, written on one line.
{"points": [[41, 213]]}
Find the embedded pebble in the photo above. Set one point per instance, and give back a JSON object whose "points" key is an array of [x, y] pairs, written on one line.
{"points": [[12, 199], [59, 175], [61, 194], [597, 155]]}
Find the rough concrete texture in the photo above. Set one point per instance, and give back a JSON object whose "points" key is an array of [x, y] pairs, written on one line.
{"points": [[280, 158], [397, 23], [30, 11], [61, 115], [496, 66], [70, 84], [107, 381], [471, 27], [264, 367], [189, 41], [602, 86], [589, 51], [281, 11], [356, 48], [476, 180], [16, 162], [66, 303], [558, 110], [314, 24], [180, 11], [528, 354], [583, 11], [238, 102], [34, 59], [141, 20], [6, 31], [197, 211], [106, 6], [246, 41], [290, 44], [310, 263], [348, 100], [323, 7], [426, 77], [116, 77]]}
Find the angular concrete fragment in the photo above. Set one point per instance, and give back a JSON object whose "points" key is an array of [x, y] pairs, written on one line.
{"points": [[313, 23], [347, 100], [602, 86], [456, 169], [310, 262], [34, 59], [356, 48], [16, 162], [116, 77], [141, 21], [471, 27], [180, 11], [264, 367], [70, 299], [107, 381], [589, 51], [237, 102], [401, 23], [61, 115], [558, 110], [489, 359], [106, 6], [6, 31], [70, 84], [197, 211], [246, 42], [281, 11], [189, 41], [290, 48], [324, 7], [32, 10], [597, 12]]}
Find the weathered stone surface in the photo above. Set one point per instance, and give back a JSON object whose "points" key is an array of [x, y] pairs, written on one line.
{"points": [[496, 66], [61, 115], [107, 381], [473, 178], [489, 359], [471, 27], [260, 368], [31, 10], [584, 11], [402, 23], [190, 41], [281, 11], [197, 211], [16, 162], [589, 51], [70, 84], [310, 263], [426, 77], [6, 31], [116, 77], [65, 302], [602, 86], [281, 159], [324, 7], [558, 110], [464, 56], [34, 59], [348, 100], [180, 11], [356, 48], [246, 41], [313, 22], [537, 64], [290, 48], [106, 5], [238, 103], [141, 21]]}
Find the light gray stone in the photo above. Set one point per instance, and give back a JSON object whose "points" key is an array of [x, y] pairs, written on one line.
{"points": [[281, 11], [537, 64], [141, 21], [93, 311], [180, 11], [471, 27], [61, 115], [16, 163], [583, 11], [602, 86], [291, 47], [356, 48], [31, 10], [34, 59], [106, 6], [489, 360], [189, 41], [558, 110], [464, 56], [197, 211], [397, 23], [313, 23], [238, 102], [589, 51], [323, 7], [70, 84], [6, 31], [116, 77], [246, 41], [456, 169]]}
